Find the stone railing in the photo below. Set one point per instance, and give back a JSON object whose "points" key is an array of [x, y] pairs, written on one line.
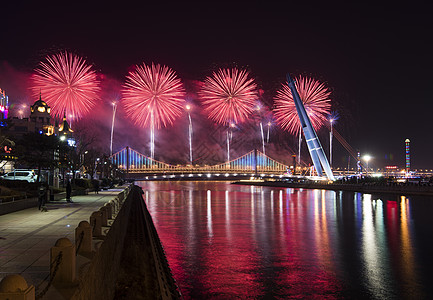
{"points": [[130, 263]]}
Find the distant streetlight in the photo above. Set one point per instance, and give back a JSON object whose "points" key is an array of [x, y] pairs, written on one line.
{"points": [[269, 126], [188, 108], [331, 121], [367, 159]]}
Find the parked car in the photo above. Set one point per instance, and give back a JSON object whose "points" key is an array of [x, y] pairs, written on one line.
{"points": [[27, 175]]}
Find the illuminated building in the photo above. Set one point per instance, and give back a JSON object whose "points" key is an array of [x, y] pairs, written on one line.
{"points": [[4, 106], [407, 141], [39, 121]]}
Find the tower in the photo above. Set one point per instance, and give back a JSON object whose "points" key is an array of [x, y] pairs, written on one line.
{"points": [[314, 147], [407, 141]]}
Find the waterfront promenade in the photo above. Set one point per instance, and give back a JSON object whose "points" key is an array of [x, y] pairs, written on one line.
{"points": [[26, 236]]}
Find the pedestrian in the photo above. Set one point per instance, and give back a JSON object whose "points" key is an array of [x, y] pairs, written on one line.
{"points": [[68, 191], [42, 196], [96, 186]]}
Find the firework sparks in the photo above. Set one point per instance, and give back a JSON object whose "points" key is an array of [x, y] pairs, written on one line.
{"points": [[315, 97], [228, 96], [67, 84], [153, 96]]}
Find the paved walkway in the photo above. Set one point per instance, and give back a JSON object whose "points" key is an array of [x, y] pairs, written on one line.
{"points": [[26, 236]]}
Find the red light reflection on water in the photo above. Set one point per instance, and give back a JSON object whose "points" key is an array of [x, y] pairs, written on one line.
{"points": [[224, 241]]}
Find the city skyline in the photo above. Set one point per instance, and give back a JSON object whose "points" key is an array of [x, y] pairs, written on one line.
{"points": [[375, 61]]}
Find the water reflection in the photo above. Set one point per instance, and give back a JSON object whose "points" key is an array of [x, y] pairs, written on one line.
{"points": [[227, 241]]}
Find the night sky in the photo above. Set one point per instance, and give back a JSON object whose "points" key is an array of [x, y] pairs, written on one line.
{"points": [[377, 60]]}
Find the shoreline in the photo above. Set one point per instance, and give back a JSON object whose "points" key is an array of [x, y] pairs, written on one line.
{"points": [[403, 190]]}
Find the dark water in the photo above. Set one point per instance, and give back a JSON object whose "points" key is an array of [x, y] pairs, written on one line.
{"points": [[228, 241]]}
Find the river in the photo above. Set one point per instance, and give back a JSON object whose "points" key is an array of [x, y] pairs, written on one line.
{"points": [[226, 241]]}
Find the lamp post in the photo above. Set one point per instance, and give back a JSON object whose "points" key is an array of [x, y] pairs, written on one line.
{"points": [[331, 121], [269, 127], [367, 159], [112, 127], [188, 108]]}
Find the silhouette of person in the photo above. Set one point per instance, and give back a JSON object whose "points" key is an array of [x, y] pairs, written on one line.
{"points": [[68, 191]]}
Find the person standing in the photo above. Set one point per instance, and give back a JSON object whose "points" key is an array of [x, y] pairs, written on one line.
{"points": [[68, 191], [42, 196], [96, 186]]}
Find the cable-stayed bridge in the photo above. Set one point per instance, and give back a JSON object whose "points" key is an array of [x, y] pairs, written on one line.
{"points": [[253, 162]]}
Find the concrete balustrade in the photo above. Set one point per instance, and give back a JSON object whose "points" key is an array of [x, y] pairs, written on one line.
{"points": [[15, 287], [109, 210], [96, 223], [83, 238], [113, 207], [62, 262], [104, 216]]}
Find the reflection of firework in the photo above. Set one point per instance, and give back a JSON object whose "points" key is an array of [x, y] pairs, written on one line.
{"points": [[67, 84], [228, 96], [315, 97], [153, 94]]}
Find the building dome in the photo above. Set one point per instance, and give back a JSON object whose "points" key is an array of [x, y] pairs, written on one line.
{"points": [[40, 106]]}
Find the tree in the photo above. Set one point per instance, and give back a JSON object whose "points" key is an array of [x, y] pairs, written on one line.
{"points": [[38, 151]]}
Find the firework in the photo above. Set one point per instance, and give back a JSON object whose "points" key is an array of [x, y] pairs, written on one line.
{"points": [[67, 84], [315, 97], [153, 96], [228, 96]]}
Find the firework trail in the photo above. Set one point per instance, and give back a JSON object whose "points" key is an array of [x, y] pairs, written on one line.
{"points": [[153, 97], [67, 84], [228, 97], [315, 97]]}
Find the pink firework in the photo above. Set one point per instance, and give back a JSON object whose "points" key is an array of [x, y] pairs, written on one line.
{"points": [[315, 97], [67, 84], [229, 96], [153, 96]]}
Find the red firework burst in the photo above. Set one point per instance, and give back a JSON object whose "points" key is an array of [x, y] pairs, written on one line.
{"points": [[228, 96], [153, 92], [67, 84], [315, 97]]}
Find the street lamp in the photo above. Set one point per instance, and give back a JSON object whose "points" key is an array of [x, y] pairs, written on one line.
{"points": [[331, 121], [188, 108], [367, 159], [332, 118], [112, 127]]}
